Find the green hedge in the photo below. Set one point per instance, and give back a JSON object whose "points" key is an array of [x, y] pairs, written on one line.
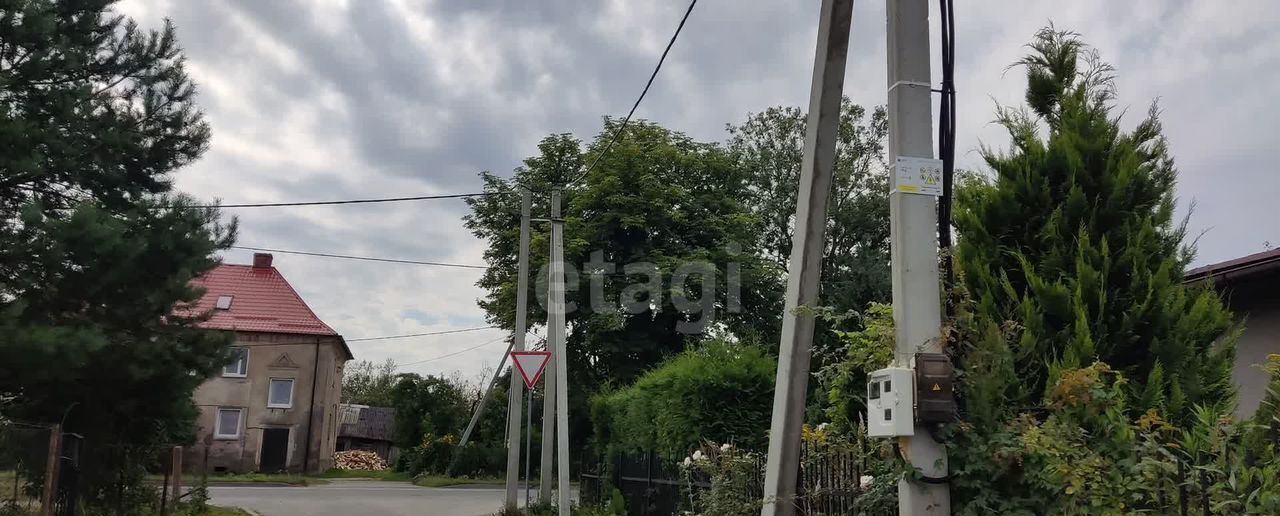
{"points": [[720, 392]]}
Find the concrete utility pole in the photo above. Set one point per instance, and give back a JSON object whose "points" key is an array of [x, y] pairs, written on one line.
{"points": [[514, 392], [917, 311], [549, 389], [484, 400], [806, 257], [556, 339]]}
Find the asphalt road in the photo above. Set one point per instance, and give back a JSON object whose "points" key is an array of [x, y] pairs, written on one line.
{"points": [[361, 498]]}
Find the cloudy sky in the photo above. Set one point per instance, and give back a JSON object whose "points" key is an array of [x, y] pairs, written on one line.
{"points": [[336, 99]]}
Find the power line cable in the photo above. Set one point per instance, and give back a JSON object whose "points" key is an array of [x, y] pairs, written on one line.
{"points": [[364, 339], [447, 355], [346, 201], [947, 142], [365, 258], [446, 332], [627, 120]]}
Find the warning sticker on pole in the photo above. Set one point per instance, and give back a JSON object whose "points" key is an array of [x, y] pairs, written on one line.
{"points": [[918, 176]]}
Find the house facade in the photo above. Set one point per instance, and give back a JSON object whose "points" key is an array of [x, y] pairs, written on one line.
{"points": [[275, 406], [1250, 286]]}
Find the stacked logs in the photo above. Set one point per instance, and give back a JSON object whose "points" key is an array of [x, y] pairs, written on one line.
{"points": [[359, 459]]}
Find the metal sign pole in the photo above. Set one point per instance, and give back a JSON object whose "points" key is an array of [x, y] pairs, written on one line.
{"points": [[528, 443]]}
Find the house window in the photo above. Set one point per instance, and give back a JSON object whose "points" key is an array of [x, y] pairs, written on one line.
{"points": [[228, 423], [281, 393], [224, 303], [239, 366]]}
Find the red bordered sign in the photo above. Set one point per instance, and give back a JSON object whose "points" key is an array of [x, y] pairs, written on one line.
{"points": [[530, 364]]}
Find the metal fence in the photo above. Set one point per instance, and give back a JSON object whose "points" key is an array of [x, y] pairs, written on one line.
{"points": [[829, 481], [23, 460], [29, 482]]}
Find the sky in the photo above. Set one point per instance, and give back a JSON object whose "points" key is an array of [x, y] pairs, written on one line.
{"points": [[340, 99]]}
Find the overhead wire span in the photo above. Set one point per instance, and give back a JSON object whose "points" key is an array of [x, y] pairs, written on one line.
{"points": [[346, 201], [427, 334], [364, 258], [627, 120], [455, 353]]}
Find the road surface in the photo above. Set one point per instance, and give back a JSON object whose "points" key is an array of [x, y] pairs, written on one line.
{"points": [[361, 498]]}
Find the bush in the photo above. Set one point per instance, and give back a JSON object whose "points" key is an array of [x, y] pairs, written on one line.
{"points": [[721, 392], [434, 455]]}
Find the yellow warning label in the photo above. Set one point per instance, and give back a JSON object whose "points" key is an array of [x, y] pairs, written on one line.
{"points": [[937, 387]]}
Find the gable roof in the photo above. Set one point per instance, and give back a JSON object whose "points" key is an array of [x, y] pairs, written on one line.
{"points": [[1231, 270], [261, 301], [367, 422]]}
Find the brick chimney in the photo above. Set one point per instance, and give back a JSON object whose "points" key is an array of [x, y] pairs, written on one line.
{"points": [[262, 260]]}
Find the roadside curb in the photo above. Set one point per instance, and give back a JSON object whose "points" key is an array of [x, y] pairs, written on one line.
{"points": [[254, 484]]}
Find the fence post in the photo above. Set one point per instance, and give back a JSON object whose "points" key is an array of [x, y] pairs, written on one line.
{"points": [[164, 493], [1182, 488], [1204, 493], [648, 482], [177, 474], [51, 470]]}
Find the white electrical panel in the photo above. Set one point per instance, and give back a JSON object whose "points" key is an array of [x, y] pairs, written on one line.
{"points": [[890, 402]]}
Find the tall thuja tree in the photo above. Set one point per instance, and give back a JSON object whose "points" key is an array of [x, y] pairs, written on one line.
{"points": [[1071, 253], [96, 250]]}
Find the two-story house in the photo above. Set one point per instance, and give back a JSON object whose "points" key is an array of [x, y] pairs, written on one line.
{"points": [[275, 406]]}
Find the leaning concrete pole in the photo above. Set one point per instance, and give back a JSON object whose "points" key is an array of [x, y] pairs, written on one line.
{"points": [[515, 391], [806, 257], [556, 340], [917, 310]]}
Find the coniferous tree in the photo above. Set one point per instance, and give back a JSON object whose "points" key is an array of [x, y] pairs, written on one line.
{"points": [[96, 250], [1072, 254]]}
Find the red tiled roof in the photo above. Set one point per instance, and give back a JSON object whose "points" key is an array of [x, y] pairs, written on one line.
{"points": [[261, 301]]}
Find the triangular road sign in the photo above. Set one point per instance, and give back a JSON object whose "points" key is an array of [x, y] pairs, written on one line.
{"points": [[530, 364]]}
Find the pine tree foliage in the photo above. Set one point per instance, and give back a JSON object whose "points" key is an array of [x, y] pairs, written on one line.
{"points": [[1071, 253], [96, 250]]}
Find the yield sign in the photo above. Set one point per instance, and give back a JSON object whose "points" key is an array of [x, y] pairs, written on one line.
{"points": [[530, 364]]}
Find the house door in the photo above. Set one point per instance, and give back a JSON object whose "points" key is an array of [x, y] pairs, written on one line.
{"points": [[275, 450]]}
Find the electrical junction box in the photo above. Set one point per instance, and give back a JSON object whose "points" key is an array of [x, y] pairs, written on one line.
{"points": [[890, 403], [935, 399]]}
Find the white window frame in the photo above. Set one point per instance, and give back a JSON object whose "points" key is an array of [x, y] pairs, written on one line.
{"points": [[240, 372], [270, 383], [217, 423]]}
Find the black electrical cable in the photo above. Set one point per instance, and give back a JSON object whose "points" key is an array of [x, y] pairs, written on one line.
{"points": [[363, 258], [346, 201], [627, 120], [947, 141]]}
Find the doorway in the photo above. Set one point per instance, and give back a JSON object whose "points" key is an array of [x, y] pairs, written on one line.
{"points": [[275, 450]]}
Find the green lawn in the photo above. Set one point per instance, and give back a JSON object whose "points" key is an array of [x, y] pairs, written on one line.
{"points": [[356, 473], [439, 481], [214, 510], [275, 478]]}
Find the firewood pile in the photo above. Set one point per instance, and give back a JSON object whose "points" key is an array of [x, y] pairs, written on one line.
{"points": [[359, 459]]}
